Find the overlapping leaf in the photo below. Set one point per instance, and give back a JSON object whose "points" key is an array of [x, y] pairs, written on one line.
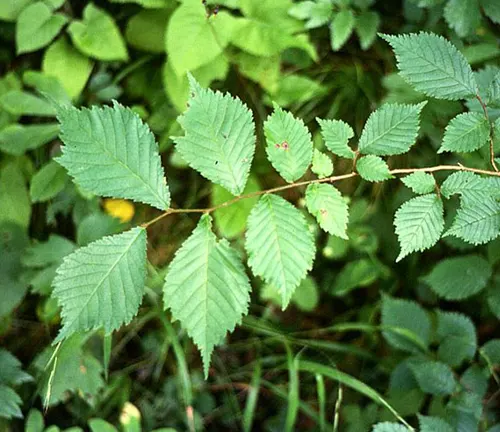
{"points": [[101, 285], [111, 152], [280, 246], [219, 139], [206, 288]]}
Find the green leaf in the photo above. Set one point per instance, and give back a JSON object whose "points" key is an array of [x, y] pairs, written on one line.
{"points": [[336, 135], [465, 133], [322, 165], [289, 144], [469, 184], [355, 274], [16, 206], [146, 30], [48, 86], [391, 130], [373, 168], [341, 28], [460, 277], [367, 24], [68, 65], [153, 4], [100, 425], [491, 9], [37, 26], [329, 208], [279, 244], [231, 220], [10, 403], [206, 288], [219, 140], [494, 95], [419, 223], [20, 103], [477, 220], [306, 296], [95, 226], [457, 338], [98, 36], [11, 374], [389, 427], [34, 421], [50, 252], [420, 182], [433, 377], [16, 139], [10, 9], [463, 16], [119, 157], [296, 89], [47, 182], [408, 316], [193, 40], [433, 66], [101, 285]]}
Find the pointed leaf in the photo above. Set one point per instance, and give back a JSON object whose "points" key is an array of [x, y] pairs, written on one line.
{"points": [[219, 140], [341, 28], [457, 338], [373, 168], [463, 16], [420, 182], [279, 244], [433, 66], [419, 223], [336, 135], [465, 133], [206, 288], [391, 130], [101, 285], [326, 204], [48, 182], [367, 24], [322, 165], [289, 144], [112, 153]]}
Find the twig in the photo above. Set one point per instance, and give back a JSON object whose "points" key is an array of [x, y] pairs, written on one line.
{"points": [[492, 149]]}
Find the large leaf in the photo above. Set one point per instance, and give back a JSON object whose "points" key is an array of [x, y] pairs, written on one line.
{"points": [[465, 133], [279, 244], [112, 153], [433, 65], [391, 130], [419, 223], [101, 285], [219, 139], [289, 144], [206, 288]]}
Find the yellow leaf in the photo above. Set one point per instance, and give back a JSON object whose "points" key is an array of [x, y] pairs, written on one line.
{"points": [[119, 208]]}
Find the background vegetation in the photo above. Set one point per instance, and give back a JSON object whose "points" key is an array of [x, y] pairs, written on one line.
{"points": [[378, 342]]}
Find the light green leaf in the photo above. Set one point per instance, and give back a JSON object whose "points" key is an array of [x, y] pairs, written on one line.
{"points": [[433, 377], [341, 28], [11, 374], [14, 197], [389, 427], [219, 140], [95, 226], [296, 89], [231, 221], [419, 223], [373, 168], [279, 244], [146, 30], [119, 157], [101, 285], [355, 274], [420, 182], [98, 36], [68, 65], [263, 70], [494, 95], [469, 184], [46, 253], [433, 66], [463, 16], [20, 103], [48, 86], [10, 403], [460, 277], [206, 288], [37, 26], [48, 182], [306, 296], [317, 13], [100, 425], [457, 338], [289, 144], [491, 9], [367, 25], [193, 40], [433, 424], [336, 135], [153, 4], [34, 421], [326, 204], [16, 139], [408, 316], [10, 9], [322, 165], [391, 130], [465, 133]]}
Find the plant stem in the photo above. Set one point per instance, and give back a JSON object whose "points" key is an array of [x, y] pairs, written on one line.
{"points": [[492, 149], [331, 179]]}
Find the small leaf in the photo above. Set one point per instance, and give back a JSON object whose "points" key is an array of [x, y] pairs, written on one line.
{"points": [[419, 223], [355, 274], [336, 135], [373, 168], [391, 130], [420, 182], [322, 165], [433, 377], [206, 288], [433, 66], [367, 24], [101, 285], [289, 144], [460, 277], [389, 427], [457, 338], [328, 206], [279, 244], [465, 133], [433, 424], [48, 182], [494, 91], [341, 28]]}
